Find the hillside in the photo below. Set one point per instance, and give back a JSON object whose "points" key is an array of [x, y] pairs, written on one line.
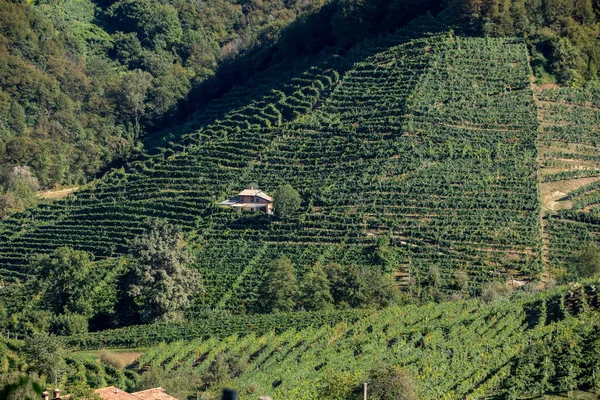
{"points": [[420, 142], [449, 196], [524, 346]]}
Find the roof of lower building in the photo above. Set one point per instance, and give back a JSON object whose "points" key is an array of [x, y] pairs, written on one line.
{"points": [[114, 393], [154, 394]]}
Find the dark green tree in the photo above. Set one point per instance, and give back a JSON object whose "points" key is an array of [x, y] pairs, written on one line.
{"points": [[286, 201], [66, 277], [314, 288], [280, 290], [353, 286], [162, 282], [69, 324]]}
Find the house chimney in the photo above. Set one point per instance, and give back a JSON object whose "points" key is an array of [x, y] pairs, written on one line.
{"points": [[56, 394], [45, 395]]}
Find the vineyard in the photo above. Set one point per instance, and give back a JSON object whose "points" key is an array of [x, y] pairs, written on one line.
{"points": [[570, 173], [430, 141], [462, 350]]}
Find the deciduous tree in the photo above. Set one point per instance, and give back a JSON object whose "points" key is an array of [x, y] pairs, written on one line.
{"points": [[280, 289], [162, 282], [286, 201]]}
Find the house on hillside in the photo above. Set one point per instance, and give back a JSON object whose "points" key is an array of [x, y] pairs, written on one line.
{"points": [[252, 200]]}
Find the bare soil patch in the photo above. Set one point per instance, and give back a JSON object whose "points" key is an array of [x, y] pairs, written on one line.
{"points": [[554, 194], [57, 194]]}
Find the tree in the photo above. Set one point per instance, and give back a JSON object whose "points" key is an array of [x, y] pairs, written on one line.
{"points": [[20, 190], [161, 281], [354, 286], [69, 324], [80, 390], [286, 201], [66, 272], [315, 293], [280, 289], [179, 384], [43, 355], [132, 94], [587, 262], [384, 253], [19, 387]]}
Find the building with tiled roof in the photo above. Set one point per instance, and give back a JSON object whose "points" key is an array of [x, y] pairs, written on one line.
{"points": [[252, 200], [154, 394], [114, 393]]}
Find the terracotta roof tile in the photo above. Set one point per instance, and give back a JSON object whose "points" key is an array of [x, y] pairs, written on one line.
{"points": [[154, 394], [113, 393]]}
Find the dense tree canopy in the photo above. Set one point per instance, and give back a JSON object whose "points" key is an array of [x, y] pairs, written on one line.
{"points": [[286, 201], [67, 273], [162, 281]]}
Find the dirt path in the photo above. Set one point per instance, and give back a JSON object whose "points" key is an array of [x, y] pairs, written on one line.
{"points": [[57, 194]]}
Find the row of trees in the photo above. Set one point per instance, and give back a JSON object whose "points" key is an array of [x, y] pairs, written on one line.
{"points": [[324, 288]]}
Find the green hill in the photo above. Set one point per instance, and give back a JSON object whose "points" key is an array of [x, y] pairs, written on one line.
{"points": [[430, 142]]}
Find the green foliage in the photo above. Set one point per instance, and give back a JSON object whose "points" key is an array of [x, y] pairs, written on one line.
{"points": [[81, 391], [390, 383], [280, 290], [179, 384], [132, 93], [315, 290], [162, 282], [21, 388], [587, 262], [19, 190], [67, 274], [286, 201], [360, 287], [69, 324], [43, 355]]}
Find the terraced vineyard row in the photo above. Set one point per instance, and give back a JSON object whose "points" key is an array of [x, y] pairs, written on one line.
{"points": [[453, 350]]}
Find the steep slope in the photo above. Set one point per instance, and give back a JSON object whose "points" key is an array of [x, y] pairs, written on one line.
{"points": [[431, 142]]}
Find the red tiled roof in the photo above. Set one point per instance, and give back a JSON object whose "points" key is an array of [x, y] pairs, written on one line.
{"points": [[154, 394], [113, 393]]}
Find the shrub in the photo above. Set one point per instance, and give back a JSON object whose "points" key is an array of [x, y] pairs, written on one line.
{"points": [[391, 383]]}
